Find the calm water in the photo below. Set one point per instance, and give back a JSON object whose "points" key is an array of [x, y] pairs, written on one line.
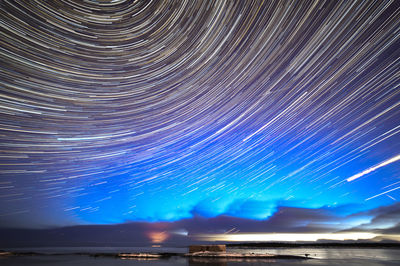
{"points": [[322, 256]]}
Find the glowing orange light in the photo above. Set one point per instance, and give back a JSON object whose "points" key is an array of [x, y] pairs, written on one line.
{"points": [[157, 237]]}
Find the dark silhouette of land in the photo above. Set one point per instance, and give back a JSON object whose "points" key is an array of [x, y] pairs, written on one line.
{"points": [[145, 255], [315, 245]]}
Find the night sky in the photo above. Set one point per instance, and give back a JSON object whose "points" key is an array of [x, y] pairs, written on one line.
{"points": [[200, 116]]}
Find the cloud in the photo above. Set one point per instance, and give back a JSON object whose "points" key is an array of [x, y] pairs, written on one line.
{"points": [[244, 208], [284, 219], [383, 219], [252, 209], [266, 216]]}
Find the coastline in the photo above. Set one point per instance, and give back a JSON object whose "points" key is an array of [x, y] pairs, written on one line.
{"points": [[312, 245], [236, 251], [145, 255]]}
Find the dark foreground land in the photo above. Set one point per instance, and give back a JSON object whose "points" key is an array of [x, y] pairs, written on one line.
{"points": [[229, 256], [216, 255], [313, 245]]}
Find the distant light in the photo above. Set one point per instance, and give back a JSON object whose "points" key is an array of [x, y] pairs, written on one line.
{"points": [[286, 237], [157, 237]]}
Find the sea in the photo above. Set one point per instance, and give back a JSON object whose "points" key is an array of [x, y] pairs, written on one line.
{"points": [[318, 256]]}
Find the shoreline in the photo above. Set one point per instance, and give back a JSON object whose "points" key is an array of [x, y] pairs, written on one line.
{"points": [[238, 254], [145, 255], [312, 245]]}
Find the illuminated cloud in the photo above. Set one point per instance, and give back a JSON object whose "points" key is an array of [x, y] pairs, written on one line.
{"points": [[157, 237], [287, 224]]}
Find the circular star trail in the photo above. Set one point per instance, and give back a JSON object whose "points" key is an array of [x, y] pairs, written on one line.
{"points": [[115, 111]]}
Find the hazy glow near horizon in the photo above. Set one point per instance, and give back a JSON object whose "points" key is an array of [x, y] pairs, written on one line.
{"points": [[157, 237], [287, 237]]}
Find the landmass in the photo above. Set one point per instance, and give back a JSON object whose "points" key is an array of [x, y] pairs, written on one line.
{"points": [[218, 254], [315, 245], [202, 254], [235, 255]]}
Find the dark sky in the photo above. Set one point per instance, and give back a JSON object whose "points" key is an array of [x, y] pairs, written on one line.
{"points": [[200, 116]]}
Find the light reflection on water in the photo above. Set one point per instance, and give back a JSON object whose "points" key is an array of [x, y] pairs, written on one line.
{"points": [[323, 256]]}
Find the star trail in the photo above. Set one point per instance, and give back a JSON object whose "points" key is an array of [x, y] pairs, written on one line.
{"points": [[158, 111]]}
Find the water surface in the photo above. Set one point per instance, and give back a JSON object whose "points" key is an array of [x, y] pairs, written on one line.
{"points": [[321, 256]]}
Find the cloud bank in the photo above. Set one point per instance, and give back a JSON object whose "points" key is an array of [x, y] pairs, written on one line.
{"points": [[382, 220]]}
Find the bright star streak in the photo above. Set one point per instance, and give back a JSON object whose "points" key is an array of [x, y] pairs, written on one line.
{"points": [[371, 169]]}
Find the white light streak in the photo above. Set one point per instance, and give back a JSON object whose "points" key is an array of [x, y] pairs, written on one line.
{"points": [[373, 168], [383, 193]]}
